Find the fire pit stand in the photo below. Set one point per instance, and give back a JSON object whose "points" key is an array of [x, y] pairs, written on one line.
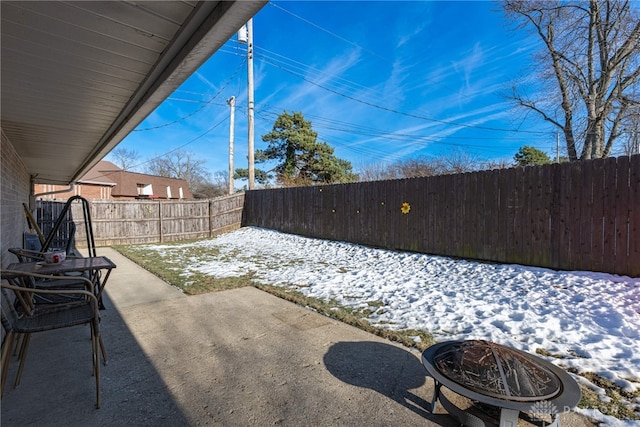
{"points": [[509, 380]]}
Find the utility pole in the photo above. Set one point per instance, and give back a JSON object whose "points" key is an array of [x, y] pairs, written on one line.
{"points": [[232, 103], [251, 100]]}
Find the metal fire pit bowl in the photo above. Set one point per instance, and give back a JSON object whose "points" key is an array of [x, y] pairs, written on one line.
{"points": [[510, 380]]}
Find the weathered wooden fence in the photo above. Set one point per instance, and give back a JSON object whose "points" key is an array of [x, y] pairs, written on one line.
{"points": [[571, 216], [139, 221]]}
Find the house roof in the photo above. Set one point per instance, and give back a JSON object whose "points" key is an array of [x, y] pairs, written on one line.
{"points": [[126, 183], [77, 77], [96, 174]]}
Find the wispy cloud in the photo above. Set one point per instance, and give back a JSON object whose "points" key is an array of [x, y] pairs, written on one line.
{"points": [[470, 63], [206, 81], [366, 87], [393, 89], [309, 90], [407, 37]]}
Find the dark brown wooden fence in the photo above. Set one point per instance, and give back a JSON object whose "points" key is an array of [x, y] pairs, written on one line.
{"points": [[117, 222], [47, 214], [571, 216]]}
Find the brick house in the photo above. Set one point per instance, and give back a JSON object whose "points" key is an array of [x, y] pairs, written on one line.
{"points": [[107, 181]]}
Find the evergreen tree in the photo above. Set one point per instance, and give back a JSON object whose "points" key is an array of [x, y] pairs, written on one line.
{"points": [[301, 158], [531, 156]]}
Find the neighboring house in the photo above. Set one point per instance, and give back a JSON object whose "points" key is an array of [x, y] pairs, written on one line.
{"points": [[108, 181]]}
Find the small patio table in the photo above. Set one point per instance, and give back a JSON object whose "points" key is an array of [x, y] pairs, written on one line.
{"points": [[92, 266]]}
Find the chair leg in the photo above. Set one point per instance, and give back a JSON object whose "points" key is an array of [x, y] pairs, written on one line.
{"points": [[104, 350], [6, 355], [18, 343], [96, 339], [23, 355]]}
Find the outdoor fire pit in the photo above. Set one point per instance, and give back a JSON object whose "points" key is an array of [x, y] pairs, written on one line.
{"points": [[503, 378]]}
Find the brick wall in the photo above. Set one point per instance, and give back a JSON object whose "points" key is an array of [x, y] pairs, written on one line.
{"points": [[14, 191], [88, 191]]}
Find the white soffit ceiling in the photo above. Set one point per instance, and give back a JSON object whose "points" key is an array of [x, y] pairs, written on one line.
{"points": [[77, 77]]}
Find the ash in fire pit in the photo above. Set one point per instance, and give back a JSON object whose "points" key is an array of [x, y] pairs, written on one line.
{"points": [[496, 371], [503, 377]]}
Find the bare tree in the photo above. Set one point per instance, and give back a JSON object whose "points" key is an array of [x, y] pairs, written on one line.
{"points": [[407, 168], [375, 171], [497, 164], [457, 161], [589, 64], [180, 164], [422, 166], [218, 186], [631, 129], [124, 158]]}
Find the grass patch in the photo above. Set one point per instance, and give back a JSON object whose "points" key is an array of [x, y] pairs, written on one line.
{"points": [[205, 284], [617, 398], [547, 353], [172, 272], [543, 352], [170, 268], [371, 308], [617, 405]]}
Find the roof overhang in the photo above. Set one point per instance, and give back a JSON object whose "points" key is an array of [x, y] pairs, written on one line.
{"points": [[77, 77]]}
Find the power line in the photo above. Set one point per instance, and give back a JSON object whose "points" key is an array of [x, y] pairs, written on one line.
{"points": [[369, 151], [352, 128], [185, 144], [304, 67], [195, 101], [197, 110], [268, 113], [337, 36], [330, 32], [275, 62], [174, 149], [392, 110]]}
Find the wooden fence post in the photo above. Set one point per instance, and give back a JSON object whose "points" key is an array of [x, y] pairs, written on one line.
{"points": [[210, 218], [160, 221]]}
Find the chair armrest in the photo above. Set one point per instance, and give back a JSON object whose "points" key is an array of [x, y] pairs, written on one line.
{"points": [[49, 291], [26, 255], [11, 275], [22, 292]]}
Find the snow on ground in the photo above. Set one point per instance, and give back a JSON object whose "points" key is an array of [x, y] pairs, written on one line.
{"points": [[590, 321]]}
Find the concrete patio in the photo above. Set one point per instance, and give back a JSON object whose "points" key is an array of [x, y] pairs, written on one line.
{"points": [[234, 358]]}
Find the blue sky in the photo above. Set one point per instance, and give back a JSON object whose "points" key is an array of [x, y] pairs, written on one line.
{"points": [[381, 81]]}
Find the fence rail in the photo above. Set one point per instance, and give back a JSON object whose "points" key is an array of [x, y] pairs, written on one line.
{"points": [[139, 221], [571, 216]]}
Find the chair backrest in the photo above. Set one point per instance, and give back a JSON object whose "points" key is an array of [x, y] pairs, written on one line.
{"points": [[9, 312]]}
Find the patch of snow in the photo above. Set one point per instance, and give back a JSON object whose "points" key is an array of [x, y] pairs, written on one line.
{"points": [[606, 420], [588, 321]]}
